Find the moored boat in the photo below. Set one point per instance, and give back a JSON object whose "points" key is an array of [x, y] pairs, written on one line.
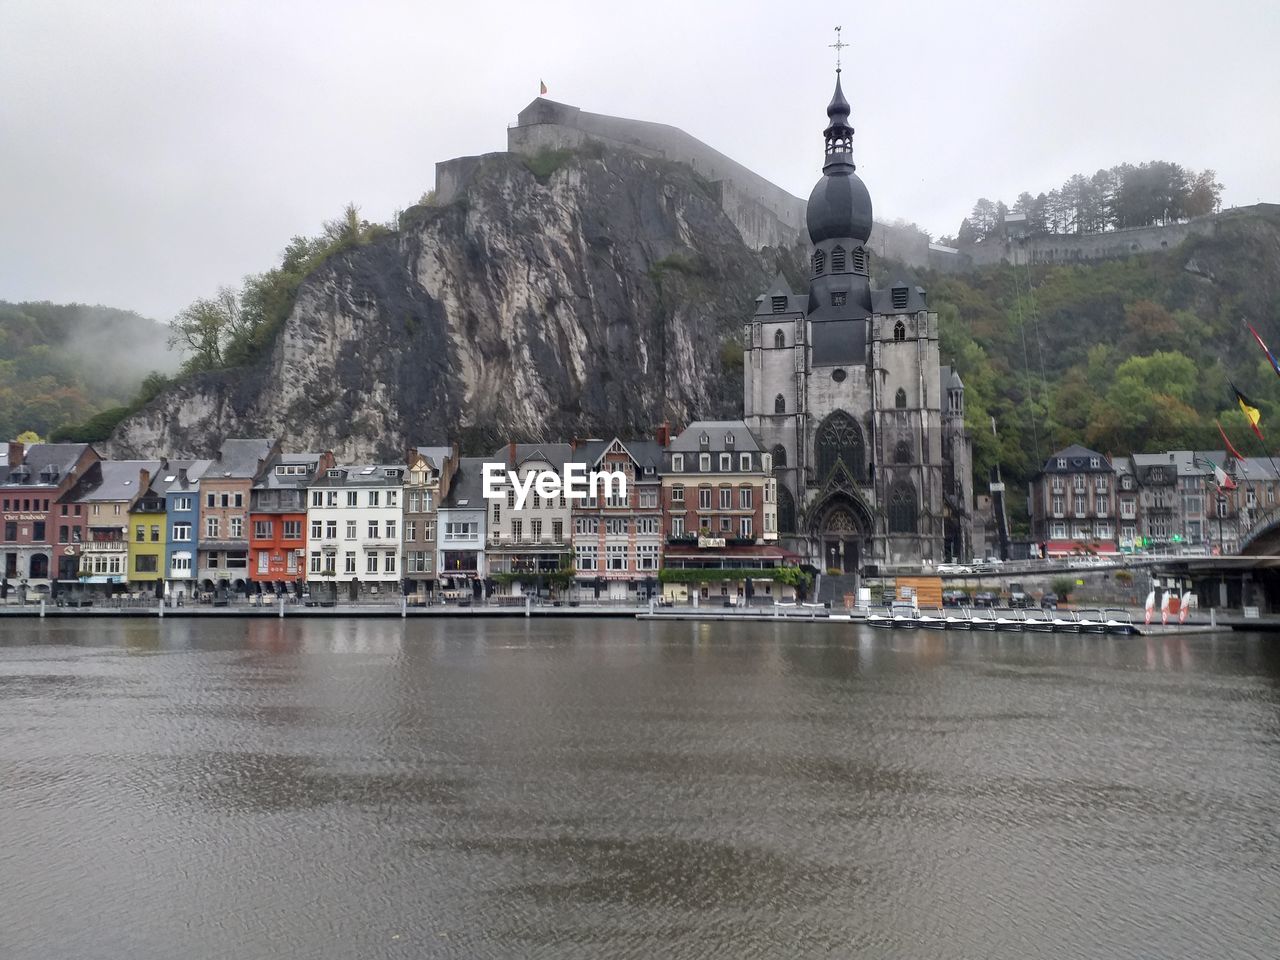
{"points": [[932, 620], [984, 618], [1119, 621], [882, 619], [1065, 621], [1010, 619], [1091, 621], [905, 614], [961, 618], [1038, 620]]}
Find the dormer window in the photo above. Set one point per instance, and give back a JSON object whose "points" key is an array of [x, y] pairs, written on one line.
{"points": [[899, 331], [334, 473], [779, 304], [819, 262], [1094, 463], [728, 439], [1062, 463], [837, 260], [704, 441], [899, 295]]}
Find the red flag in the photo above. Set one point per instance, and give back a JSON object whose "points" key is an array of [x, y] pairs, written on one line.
{"points": [[542, 88], [1265, 349], [1230, 449]]}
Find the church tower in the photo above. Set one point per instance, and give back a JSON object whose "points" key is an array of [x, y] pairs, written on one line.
{"points": [[843, 386]]}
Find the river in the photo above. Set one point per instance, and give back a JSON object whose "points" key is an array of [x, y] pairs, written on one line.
{"points": [[599, 789]]}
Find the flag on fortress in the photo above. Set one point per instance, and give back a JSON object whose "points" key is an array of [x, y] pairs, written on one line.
{"points": [[542, 90]]}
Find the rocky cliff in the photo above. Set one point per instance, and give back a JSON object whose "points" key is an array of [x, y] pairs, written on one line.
{"points": [[599, 296]]}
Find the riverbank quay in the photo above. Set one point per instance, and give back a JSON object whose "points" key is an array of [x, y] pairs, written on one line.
{"points": [[1213, 622]]}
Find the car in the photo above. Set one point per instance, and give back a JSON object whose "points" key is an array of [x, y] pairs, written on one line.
{"points": [[985, 599], [1019, 599], [954, 569], [954, 598], [1049, 601]]}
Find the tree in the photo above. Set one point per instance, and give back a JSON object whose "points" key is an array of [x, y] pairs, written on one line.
{"points": [[204, 329], [1203, 195], [983, 217]]}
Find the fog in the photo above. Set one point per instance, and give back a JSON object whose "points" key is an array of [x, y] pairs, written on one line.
{"points": [[151, 151]]}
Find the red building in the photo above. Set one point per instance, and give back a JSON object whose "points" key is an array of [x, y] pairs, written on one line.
{"points": [[278, 517], [41, 535]]}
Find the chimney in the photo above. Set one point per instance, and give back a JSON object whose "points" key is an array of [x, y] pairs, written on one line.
{"points": [[664, 434], [144, 479], [511, 454], [17, 451], [182, 476]]}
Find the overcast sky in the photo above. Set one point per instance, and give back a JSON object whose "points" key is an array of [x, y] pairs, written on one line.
{"points": [[150, 151]]}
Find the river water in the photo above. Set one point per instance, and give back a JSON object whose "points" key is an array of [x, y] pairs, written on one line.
{"points": [[598, 789]]}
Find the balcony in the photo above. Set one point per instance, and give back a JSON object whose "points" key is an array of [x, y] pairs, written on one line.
{"points": [[105, 546]]}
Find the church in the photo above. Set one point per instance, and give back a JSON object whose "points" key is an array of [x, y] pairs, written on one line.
{"points": [[844, 386]]}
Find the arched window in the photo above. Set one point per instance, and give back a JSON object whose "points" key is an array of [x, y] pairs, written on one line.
{"points": [[786, 510], [899, 331], [779, 339], [779, 404], [779, 456], [819, 262], [839, 443], [837, 260], [900, 398], [902, 508], [902, 452]]}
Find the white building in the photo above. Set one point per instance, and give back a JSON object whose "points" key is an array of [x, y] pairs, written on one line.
{"points": [[353, 529], [527, 544]]}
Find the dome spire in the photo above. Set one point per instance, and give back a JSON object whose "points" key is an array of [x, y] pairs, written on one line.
{"points": [[839, 134]]}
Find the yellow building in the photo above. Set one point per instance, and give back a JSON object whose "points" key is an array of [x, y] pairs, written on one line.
{"points": [[147, 541]]}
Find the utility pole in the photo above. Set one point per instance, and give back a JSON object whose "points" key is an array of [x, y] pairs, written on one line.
{"points": [[998, 501]]}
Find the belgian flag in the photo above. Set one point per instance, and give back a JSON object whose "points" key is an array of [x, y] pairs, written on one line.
{"points": [[1250, 410]]}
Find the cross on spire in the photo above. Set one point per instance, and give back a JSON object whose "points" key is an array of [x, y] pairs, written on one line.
{"points": [[838, 46]]}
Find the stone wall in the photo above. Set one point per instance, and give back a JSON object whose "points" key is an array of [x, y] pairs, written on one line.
{"points": [[1059, 248]]}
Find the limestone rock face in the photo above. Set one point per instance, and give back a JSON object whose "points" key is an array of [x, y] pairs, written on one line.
{"points": [[600, 298]]}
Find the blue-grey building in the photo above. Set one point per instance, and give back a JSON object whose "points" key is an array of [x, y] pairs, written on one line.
{"points": [[180, 485]]}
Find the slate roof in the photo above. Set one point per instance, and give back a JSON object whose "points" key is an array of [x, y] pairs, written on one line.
{"points": [[61, 456], [239, 459], [467, 489], [117, 481], [1077, 458], [360, 475], [688, 440], [556, 454], [272, 481]]}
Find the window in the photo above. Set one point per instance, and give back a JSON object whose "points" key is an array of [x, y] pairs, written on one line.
{"points": [[291, 561], [317, 498], [900, 399], [1094, 463], [779, 404], [155, 532], [535, 529], [374, 498], [239, 499], [140, 534], [726, 498], [353, 498], [704, 498], [262, 529], [293, 529], [497, 509], [647, 556], [902, 452], [389, 562], [585, 526], [819, 262], [677, 462], [1100, 484], [744, 462], [64, 534], [209, 501], [1058, 506], [371, 563], [744, 498], [677, 493], [331, 499], [837, 260], [179, 503], [511, 499], [331, 529], [428, 529], [902, 508], [899, 331], [237, 528], [411, 530], [314, 566], [677, 526], [393, 498], [264, 561], [647, 525], [744, 528], [648, 499], [587, 555], [317, 529], [146, 563], [557, 531], [225, 500], [704, 462], [726, 462], [726, 524], [839, 444], [616, 556], [1058, 530], [373, 530], [181, 563], [517, 528], [1080, 506], [211, 527], [779, 339]]}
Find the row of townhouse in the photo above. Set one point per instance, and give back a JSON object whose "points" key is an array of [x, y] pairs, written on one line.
{"points": [[258, 518], [1083, 501]]}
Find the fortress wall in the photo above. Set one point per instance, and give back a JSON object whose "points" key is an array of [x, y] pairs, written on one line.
{"points": [[1095, 246]]}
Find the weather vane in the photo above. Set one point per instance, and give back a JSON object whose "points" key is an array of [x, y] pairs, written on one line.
{"points": [[838, 46]]}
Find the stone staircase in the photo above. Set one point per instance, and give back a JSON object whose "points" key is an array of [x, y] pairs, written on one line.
{"points": [[832, 589]]}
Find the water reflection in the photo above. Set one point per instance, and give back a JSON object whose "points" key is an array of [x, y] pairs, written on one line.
{"points": [[468, 788]]}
